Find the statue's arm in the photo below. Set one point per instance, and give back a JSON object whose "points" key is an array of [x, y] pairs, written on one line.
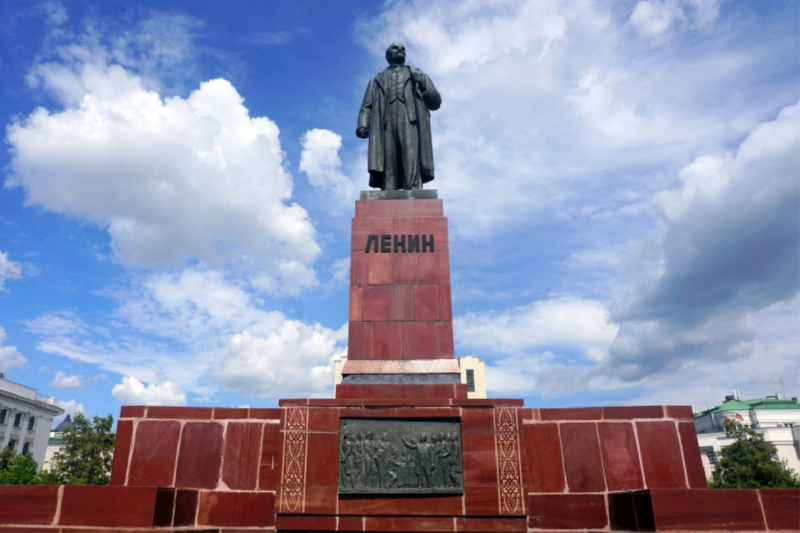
{"points": [[365, 113], [432, 98]]}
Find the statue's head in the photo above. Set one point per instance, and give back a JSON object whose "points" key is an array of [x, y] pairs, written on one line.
{"points": [[396, 54]]}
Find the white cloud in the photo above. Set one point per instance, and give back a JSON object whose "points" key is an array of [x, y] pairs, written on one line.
{"points": [[551, 109], [8, 269], [296, 360], [730, 248], [57, 324], [169, 178], [63, 381], [9, 355], [71, 408], [566, 322], [133, 392], [652, 18], [195, 329], [341, 270], [320, 161]]}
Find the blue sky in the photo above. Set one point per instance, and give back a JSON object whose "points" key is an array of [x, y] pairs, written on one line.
{"points": [[621, 180]]}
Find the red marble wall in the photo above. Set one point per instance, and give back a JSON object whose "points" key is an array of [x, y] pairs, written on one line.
{"points": [[536, 470]]}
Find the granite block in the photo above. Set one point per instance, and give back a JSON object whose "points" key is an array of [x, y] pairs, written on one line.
{"points": [[636, 411], [381, 269], [426, 302], [359, 268], [107, 506], [707, 510], [236, 509], [620, 456], [445, 303], [479, 459], [28, 504], [544, 462], [376, 302], [402, 303], [429, 268], [406, 268], [165, 505], [443, 335], [691, 456], [242, 455], [132, 411], [269, 467], [493, 525], [582, 463], [405, 505], [571, 413], [386, 340], [200, 456], [185, 507], [408, 523], [419, 340], [122, 450], [322, 463], [781, 508], [179, 413], [154, 454], [661, 455], [355, 303], [567, 511]]}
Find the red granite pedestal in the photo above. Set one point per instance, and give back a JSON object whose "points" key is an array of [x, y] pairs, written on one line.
{"points": [[524, 470]]}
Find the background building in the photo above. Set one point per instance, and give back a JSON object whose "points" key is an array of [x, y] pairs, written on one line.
{"points": [[56, 441], [25, 419], [778, 419]]}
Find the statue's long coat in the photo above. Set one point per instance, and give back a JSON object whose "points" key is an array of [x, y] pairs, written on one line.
{"points": [[418, 107]]}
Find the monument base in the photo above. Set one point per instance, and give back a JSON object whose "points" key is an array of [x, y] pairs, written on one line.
{"points": [[524, 470]]}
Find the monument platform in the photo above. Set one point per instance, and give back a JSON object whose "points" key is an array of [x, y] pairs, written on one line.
{"points": [[401, 447]]}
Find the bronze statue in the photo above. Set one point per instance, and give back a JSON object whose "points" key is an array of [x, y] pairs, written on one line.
{"points": [[395, 116]]}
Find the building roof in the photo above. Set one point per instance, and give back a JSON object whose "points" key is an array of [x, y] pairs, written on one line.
{"points": [[757, 404], [64, 425]]}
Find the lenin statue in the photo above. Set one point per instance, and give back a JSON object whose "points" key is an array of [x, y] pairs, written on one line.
{"points": [[395, 116]]}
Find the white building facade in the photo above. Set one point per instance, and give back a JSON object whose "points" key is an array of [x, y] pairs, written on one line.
{"points": [[25, 419], [778, 419]]}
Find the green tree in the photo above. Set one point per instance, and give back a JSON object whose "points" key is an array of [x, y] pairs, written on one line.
{"points": [[18, 469], [85, 458], [751, 463]]}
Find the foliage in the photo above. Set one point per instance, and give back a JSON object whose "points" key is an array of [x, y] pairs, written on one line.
{"points": [[85, 458], [751, 462], [18, 469]]}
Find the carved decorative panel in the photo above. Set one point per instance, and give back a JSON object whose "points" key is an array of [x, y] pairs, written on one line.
{"points": [[400, 456]]}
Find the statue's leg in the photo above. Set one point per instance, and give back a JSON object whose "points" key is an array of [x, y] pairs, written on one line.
{"points": [[409, 142], [392, 180]]}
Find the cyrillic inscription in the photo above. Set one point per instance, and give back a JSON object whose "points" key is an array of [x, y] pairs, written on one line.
{"points": [[404, 456], [401, 244]]}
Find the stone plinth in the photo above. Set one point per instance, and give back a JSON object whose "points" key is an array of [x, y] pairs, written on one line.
{"points": [[400, 304]]}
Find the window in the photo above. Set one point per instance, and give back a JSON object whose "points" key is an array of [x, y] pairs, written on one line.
{"points": [[12, 443], [3, 413], [25, 447], [470, 380], [31, 421], [712, 457], [18, 420]]}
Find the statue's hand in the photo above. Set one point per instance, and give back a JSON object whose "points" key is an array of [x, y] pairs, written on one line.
{"points": [[362, 133], [419, 80]]}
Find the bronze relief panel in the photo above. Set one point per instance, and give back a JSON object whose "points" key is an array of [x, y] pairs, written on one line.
{"points": [[400, 456]]}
